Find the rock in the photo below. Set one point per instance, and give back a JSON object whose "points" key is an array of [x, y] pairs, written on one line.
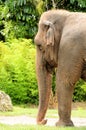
{"points": [[5, 102]]}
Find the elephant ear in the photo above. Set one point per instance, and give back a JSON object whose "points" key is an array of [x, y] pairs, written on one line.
{"points": [[50, 33]]}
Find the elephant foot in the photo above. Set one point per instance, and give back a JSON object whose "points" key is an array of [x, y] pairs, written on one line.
{"points": [[62, 123], [43, 122]]}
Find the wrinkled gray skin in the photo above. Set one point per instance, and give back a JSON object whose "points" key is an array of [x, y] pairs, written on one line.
{"points": [[61, 44]]}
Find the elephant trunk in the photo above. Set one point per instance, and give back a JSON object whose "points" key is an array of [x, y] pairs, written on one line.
{"points": [[44, 94], [44, 79]]}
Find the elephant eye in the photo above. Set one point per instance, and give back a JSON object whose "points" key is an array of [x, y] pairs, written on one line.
{"points": [[40, 47]]}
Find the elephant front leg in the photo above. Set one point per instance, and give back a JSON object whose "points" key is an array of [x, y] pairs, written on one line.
{"points": [[64, 93], [70, 64]]}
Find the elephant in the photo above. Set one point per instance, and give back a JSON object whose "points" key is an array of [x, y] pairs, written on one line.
{"points": [[60, 46]]}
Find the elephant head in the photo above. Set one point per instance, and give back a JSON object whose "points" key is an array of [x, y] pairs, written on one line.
{"points": [[48, 37]]}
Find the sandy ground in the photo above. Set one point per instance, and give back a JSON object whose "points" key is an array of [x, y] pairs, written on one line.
{"points": [[26, 120]]}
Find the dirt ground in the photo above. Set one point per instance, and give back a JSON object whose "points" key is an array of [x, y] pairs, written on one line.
{"points": [[26, 120]]}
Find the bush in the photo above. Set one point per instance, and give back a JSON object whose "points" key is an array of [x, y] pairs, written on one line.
{"points": [[74, 5], [19, 18], [17, 73], [80, 91]]}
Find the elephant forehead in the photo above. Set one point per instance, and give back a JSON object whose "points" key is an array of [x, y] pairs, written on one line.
{"points": [[53, 14], [47, 15]]}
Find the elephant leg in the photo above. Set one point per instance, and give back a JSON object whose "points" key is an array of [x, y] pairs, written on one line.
{"points": [[66, 76], [64, 93]]}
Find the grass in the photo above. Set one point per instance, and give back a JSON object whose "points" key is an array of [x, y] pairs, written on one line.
{"points": [[28, 127], [53, 113], [17, 111], [79, 113]]}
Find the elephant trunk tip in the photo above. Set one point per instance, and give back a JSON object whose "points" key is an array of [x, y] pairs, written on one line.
{"points": [[43, 122]]}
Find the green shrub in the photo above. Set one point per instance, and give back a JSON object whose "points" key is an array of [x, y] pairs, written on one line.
{"points": [[19, 18], [17, 73], [74, 5], [80, 91]]}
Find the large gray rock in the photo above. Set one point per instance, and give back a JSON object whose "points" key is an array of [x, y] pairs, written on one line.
{"points": [[5, 102]]}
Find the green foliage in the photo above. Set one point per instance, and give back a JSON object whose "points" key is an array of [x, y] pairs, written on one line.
{"points": [[1, 23], [21, 18], [24, 11], [80, 3], [74, 5], [40, 6], [77, 5], [80, 91], [17, 73]]}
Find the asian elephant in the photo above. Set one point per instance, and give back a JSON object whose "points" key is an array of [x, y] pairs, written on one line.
{"points": [[60, 43]]}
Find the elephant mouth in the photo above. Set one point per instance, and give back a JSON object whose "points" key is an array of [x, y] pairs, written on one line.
{"points": [[52, 63], [50, 66]]}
